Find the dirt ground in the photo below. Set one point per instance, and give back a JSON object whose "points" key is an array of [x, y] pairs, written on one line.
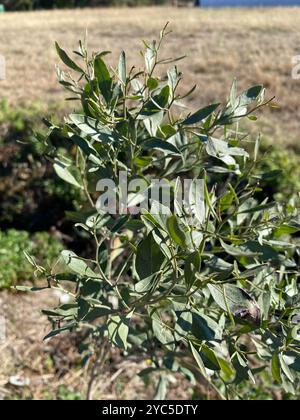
{"points": [[31, 368], [253, 45]]}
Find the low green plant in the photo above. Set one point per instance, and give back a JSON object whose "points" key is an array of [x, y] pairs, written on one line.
{"points": [[207, 290], [32, 198], [281, 167], [13, 243], [64, 393], [16, 121]]}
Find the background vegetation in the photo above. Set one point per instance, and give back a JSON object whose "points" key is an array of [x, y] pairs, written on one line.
{"points": [[15, 5]]}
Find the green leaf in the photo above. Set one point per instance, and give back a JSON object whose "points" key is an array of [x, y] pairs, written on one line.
{"points": [[205, 328], [208, 200], [228, 372], [150, 57], [199, 361], [238, 251], [265, 252], [142, 161], [192, 266], [233, 93], [118, 328], [167, 131], [285, 368], [67, 60], [252, 117], [162, 98], [149, 258], [173, 78], [103, 77], [212, 359], [162, 332], [258, 208], [227, 199], [275, 366], [250, 249], [67, 327], [87, 149], [250, 95], [144, 285], [29, 289], [236, 301], [67, 310], [220, 149], [96, 313], [219, 265], [200, 115], [92, 127], [161, 390], [175, 231], [156, 103], [63, 172], [269, 176], [184, 324], [77, 265], [162, 240], [197, 200], [162, 145], [153, 121], [287, 229], [122, 68], [152, 83]]}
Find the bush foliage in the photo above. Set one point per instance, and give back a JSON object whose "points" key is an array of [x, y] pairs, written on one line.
{"points": [[13, 243], [59, 4], [31, 196], [211, 292], [283, 169]]}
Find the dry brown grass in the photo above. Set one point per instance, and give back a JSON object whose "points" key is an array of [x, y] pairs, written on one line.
{"points": [[252, 45]]}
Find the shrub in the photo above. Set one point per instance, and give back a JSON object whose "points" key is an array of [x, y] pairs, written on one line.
{"points": [[59, 4], [31, 196], [14, 267], [282, 173], [19, 4], [17, 121], [203, 287]]}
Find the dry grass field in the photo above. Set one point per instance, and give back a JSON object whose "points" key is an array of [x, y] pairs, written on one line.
{"points": [[256, 46]]}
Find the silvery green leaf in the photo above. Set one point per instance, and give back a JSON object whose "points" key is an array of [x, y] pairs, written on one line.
{"points": [[91, 127], [122, 68], [118, 328], [77, 265], [150, 57], [64, 173], [237, 301], [149, 258], [162, 331]]}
